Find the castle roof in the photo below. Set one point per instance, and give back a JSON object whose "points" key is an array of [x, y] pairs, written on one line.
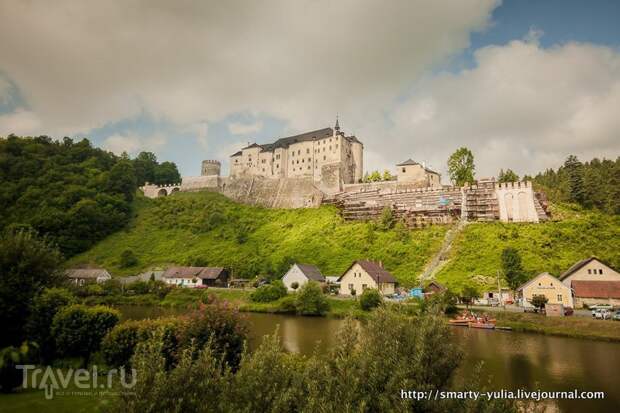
{"points": [[302, 137]]}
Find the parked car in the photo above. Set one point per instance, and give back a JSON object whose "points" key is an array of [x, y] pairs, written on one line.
{"points": [[595, 312], [601, 307], [616, 316], [603, 315]]}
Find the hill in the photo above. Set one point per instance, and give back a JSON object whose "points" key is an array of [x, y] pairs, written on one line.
{"points": [[208, 229]]}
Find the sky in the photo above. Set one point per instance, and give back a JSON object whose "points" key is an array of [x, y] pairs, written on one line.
{"points": [[522, 83]]}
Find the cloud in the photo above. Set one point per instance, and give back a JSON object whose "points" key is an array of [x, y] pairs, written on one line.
{"points": [[521, 107], [238, 128], [19, 122], [83, 65], [132, 143]]}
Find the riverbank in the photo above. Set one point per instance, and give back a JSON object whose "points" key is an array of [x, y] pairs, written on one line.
{"points": [[576, 327]]}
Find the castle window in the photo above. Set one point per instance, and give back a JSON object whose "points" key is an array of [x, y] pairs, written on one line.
{"points": [[309, 159], [323, 149], [324, 157], [307, 150], [298, 161], [277, 165], [330, 147], [559, 297], [302, 160], [262, 161], [308, 166], [336, 146], [404, 170], [299, 152]]}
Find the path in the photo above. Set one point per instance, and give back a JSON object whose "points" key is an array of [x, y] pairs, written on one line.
{"points": [[441, 257]]}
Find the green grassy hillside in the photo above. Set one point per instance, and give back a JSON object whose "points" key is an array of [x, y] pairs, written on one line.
{"points": [[552, 246], [208, 229]]}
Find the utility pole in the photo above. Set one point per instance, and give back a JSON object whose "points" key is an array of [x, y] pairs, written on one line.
{"points": [[499, 292]]}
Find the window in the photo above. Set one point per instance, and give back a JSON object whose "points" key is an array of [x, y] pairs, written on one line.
{"points": [[330, 147], [277, 165], [364, 286], [336, 146], [307, 150], [350, 286], [560, 297], [278, 156], [323, 149], [308, 166], [324, 157], [600, 271], [309, 159], [302, 160], [404, 170], [262, 161], [589, 271], [299, 152]]}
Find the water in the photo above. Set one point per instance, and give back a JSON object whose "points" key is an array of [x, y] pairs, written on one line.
{"points": [[511, 360]]}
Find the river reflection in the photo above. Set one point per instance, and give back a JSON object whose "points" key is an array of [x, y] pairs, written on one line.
{"points": [[510, 360]]}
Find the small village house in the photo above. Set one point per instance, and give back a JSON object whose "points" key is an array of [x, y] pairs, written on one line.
{"points": [[433, 288], [364, 274], [503, 297], [301, 274], [592, 282], [81, 276], [546, 285], [192, 277]]}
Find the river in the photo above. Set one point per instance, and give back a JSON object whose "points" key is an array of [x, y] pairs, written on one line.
{"points": [[510, 360]]}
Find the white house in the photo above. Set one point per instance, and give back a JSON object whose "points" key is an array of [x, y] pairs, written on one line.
{"points": [[301, 274], [592, 282], [81, 276], [364, 274]]}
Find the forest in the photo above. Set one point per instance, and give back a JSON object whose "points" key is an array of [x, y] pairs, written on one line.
{"points": [[71, 192]]}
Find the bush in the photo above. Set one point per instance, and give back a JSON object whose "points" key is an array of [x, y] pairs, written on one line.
{"points": [[270, 292], [310, 300], [370, 299], [288, 304], [119, 344], [112, 287], [44, 308], [128, 259], [78, 329], [93, 289], [10, 357]]}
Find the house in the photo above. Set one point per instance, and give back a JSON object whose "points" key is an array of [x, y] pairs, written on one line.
{"points": [[81, 276], [301, 274], [505, 296], [192, 277], [547, 285], [433, 287], [592, 282], [364, 274]]}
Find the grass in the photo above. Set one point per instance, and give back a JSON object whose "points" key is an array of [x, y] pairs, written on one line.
{"points": [[574, 326], [552, 246], [205, 228]]}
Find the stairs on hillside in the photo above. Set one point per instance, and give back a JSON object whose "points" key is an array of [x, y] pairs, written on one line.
{"points": [[441, 257]]}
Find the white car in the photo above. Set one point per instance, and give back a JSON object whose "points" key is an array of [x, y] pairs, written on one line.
{"points": [[603, 314]]}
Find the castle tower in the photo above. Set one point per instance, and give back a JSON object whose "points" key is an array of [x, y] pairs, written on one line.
{"points": [[210, 168]]}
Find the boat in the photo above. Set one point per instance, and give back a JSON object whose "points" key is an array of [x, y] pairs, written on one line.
{"points": [[481, 324], [459, 322]]}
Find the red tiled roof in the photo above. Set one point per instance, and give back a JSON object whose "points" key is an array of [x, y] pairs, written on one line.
{"points": [[596, 289]]}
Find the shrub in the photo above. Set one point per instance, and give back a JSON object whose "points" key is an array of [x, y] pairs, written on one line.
{"points": [[370, 299], [44, 308], [219, 324], [269, 292], [140, 287], [78, 329], [93, 289], [10, 357], [288, 304], [310, 300], [128, 259], [112, 287], [119, 344], [386, 220]]}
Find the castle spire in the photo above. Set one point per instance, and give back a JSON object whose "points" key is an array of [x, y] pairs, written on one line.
{"points": [[337, 127]]}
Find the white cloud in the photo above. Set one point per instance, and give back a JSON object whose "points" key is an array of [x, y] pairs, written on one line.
{"points": [[238, 128], [81, 65], [522, 107], [19, 122], [132, 143]]}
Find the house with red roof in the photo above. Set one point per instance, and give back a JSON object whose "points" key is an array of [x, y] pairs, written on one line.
{"points": [[592, 282]]}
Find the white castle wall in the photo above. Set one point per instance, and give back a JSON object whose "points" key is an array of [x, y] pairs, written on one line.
{"points": [[516, 202]]}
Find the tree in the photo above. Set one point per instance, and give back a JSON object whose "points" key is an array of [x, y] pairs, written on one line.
{"points": [[461, 167], [512, 268], [28, 264], [539, 302], [387, 218], [469, 294], [574, 171], [122, 180], [167, 173], [44, 308], [144, 167], [370, 299], [128, 259], [78, 329], [387, 176], [311, 300], [508, 176]]}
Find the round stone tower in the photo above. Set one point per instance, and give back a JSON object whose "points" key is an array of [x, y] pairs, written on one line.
{"points": [[210, 168]]}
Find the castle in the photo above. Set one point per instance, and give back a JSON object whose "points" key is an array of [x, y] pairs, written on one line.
{"points": [[326, 166]]}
